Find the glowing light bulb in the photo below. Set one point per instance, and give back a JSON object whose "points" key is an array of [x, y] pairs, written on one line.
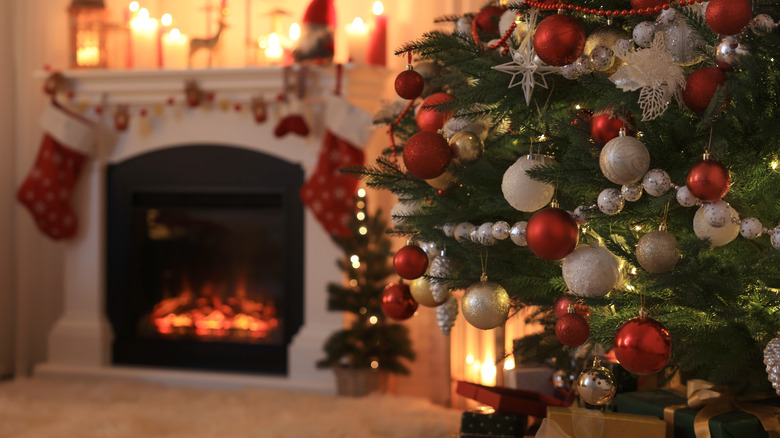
{"points": [[355, 265], [166, 20], [361, 216], [175, 34], [631, 288], [353, 282], [378, 8], [362, 193], [638, 228], [373, 320], [633, 271], [374, 364], [134, 6], [295, 31], [774, 165], [363, 231], [274, 49], [542, 137], [509, 363], [488, 372], [469, 359], [354, 258], [143, 14], [577, 106]]}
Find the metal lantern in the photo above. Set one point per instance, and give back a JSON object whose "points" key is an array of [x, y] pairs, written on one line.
{"points": [[87, 34]]}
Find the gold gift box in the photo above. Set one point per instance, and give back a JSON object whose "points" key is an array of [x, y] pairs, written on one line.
{"points": [[588, 423]]}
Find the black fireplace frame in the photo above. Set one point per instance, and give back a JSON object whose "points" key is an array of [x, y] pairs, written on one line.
{"points": [[205, 170]]}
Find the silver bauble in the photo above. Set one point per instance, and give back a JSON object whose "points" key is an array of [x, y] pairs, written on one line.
{"points": [[750, 228], [485, 305], [580, 215], [643, 33], [596, 385], [729, 51], [685, 197], [485, 234], [657, 182], [624, 159], [569, 71], [631, 192], [517, 233], [602, 58], [610, 201], [463, 25], [520, 190], [682, 41], [466, 147], [401, 210], [463, 231], [717, 213], [763, 23], [772, 362], [717, 236], [657, 252], [583, 65], [446, 314], [501, 230], [600, 39], [775, 237], [591, 271]]}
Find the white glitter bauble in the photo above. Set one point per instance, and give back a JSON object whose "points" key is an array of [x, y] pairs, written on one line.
{"points": [[631, 192], [623, 45], [501, 230], [485, 305], [775, 237], [520, 190], [750, 228], [463, 231], [685, 197], [446, 314], [570, 71], [717, 213], [717, 236], [624, 159], [610, 202], [682, 41], [643, 33], [772, 362], [666, 16], [657, 252], [517, 233], [485, 233], [448, 229], [763, 23], [583, 65], [580, 215], [596, 385], [591, 271], [463, 25], [402, 209], [657, 182], [602, 58], [474, 235]]}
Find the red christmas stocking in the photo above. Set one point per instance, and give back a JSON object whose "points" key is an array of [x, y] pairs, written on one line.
{"points": [[46, 192], [328, 193]]}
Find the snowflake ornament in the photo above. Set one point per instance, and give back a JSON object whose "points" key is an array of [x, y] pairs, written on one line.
{"points": [[654, 73]]}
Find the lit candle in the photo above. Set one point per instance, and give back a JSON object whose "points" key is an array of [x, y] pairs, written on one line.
{"points": [[174, 45], [87, 56], [357, 40], [145, 40], [377, 45], [273, 50]]}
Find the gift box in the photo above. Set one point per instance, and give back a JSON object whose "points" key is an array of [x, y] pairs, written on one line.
{"points": [[534, 379], [508, 400], [591, 423], [681, 418], [493, 425]]}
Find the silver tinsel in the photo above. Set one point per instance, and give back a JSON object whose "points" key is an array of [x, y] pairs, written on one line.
{"points": [[446, 315], [772, 362], [440, 267]]}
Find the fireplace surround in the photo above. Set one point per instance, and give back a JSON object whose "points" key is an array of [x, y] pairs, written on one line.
{"points": [[81, 341]]}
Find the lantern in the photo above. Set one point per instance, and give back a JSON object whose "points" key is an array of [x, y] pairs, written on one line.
{"points": [[87, 34]]}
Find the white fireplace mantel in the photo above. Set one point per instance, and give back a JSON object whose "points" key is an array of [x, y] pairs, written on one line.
{"points": [[79, 342]]}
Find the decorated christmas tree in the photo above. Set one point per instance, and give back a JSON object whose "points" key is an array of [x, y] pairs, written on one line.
{"points": [[613, 166], [370, 341]]}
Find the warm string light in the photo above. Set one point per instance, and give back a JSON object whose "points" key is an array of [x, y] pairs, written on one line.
{"points": [[134, 6], [509, 363], [654, 10], [373, 320], [166, 19]]}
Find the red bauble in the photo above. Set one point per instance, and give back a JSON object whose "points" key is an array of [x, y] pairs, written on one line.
{"points": [[572, 330], [552, 233], [409, 84], [700, 86], [397, 301], [605, 125], [561, 306], [728, 17], [426, 155], [559, 39], [487, 19], [410, 262], [708, 180], [643, 345], [428, 119], [644, 4]]}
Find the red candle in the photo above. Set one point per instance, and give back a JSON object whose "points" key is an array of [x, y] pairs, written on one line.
{"points": [[377, 42]]}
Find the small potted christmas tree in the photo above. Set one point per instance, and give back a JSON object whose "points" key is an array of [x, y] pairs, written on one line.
{"points": [[371, 346]]}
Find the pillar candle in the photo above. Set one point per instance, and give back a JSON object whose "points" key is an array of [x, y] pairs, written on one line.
{"points": [[145, 43], [377, 45], [357, 41], [175, 49]]}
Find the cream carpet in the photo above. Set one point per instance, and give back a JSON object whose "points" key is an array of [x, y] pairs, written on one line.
{"points": [[53, 408]]}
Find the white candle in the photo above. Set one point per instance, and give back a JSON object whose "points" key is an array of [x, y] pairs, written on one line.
{"points": [[144, 35], [175, 47], [273, 49], [357, 40]]}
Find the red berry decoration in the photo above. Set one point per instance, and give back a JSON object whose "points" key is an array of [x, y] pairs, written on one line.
{"points": [[561, 306], [700, 86], [708, 180], [426, 155], [397, 301], [559, 40], [428, 119], [643, 345], [645, 4], [410, 262], [487, 19], [572, 329], [552, 233], [409, 84], [728, 17], [605, 125]]}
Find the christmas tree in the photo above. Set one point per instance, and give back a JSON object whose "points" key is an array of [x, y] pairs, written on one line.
{"points": [[641, 134], [370, 341]]}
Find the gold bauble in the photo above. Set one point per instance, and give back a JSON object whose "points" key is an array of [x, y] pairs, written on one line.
{"points": [[657, 252], [606, 36], [466, 147], [443, 181], [422, 292], [485, 305]]}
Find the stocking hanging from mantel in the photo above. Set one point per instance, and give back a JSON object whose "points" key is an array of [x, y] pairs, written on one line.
{"points": [[68, 140], [328, 193]]}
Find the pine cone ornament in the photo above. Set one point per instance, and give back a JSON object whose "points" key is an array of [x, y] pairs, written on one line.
{"points": [[446, 314], [772, 362], [440, 267]]}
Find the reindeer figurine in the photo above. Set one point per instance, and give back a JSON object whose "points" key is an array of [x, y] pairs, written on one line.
{"points": [[209, 44]]}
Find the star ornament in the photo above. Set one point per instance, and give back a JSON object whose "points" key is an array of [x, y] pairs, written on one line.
{"points": [[531, 72]]}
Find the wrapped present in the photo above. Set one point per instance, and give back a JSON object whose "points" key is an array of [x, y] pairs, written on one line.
{"points": [[534, 379], [479, 424], [508, 400], [707, 412], [591, 423]]}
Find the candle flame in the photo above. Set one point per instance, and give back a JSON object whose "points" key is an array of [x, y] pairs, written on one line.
{"points": [[295, 31], [509, 363], [143, 14], [166, 19], [175, 33], [488, 373], [274, 49], [134, 6], [378, 8]]}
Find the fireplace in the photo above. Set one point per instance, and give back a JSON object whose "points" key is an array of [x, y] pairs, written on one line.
{"points": [[204, 259]]}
